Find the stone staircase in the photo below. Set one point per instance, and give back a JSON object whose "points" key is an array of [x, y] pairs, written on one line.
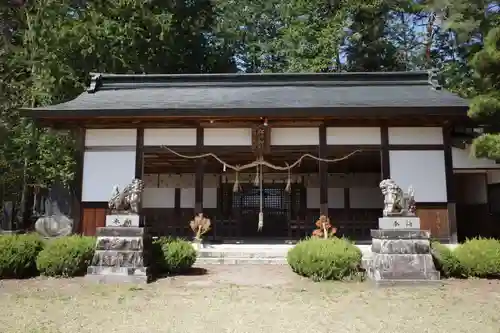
{"points": [[243, 254], [251, 254]]}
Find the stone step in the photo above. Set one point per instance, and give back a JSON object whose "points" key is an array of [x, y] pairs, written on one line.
{"points": [[242, 254], [240, 261]]}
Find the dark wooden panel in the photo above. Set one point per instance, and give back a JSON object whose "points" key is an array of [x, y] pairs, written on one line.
{"points": [[434, 219], [93, 216], [476, 221]]}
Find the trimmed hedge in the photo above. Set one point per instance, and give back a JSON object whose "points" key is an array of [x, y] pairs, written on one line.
{"points": [[445, 261], [173, 256], [479, 257], [18, 255], [326, 259], [66, 256]]}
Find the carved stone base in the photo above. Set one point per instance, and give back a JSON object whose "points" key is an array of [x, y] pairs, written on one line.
{"points": [[401, 256], [399, 222], [122, 220], [121, 255]]}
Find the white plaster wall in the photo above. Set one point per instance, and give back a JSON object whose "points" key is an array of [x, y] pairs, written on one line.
{"points": [[424, 170], [227, 137], [363, 190], [369, 197], [335, 198], [159, 190], [296, 136], [462, 159], [415, 135], [170, 137], [110, 137], [345, 180], [353, 136], [158, 197], [312, 198], [104, 169]]}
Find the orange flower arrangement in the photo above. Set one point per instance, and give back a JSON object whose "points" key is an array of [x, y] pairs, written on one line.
{"points": [[325, 228]]}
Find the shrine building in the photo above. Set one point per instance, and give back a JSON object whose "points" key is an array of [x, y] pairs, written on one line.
{"points": [[349, 131]]}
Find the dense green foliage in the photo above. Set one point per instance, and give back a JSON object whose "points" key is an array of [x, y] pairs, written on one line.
{"points": [[18, 255], [325, 259], [445, 261], [66, 256], [48, 47], [478, 257], [173, 256]]}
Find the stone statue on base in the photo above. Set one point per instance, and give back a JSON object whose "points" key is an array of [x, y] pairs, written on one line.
{"points": [[128, 200], [123, 246], [400, 249], [396, 202]]}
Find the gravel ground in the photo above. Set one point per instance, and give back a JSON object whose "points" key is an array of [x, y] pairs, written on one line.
{"points": [[247, 299]]}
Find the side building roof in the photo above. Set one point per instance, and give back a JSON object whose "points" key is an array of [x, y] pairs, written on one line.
{"points": [[266, 94]]}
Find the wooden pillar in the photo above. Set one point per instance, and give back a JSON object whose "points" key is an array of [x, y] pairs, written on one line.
{"points": [[384, 152], [77, 213], [450, 184], [323, 172], [139, 154], [139, 165], [198, 192]]}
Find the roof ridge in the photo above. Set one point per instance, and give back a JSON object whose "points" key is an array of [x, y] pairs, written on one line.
{"points": [[103, 81]]}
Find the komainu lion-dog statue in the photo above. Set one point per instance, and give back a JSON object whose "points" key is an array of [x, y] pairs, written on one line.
{"points": [[396, 202], [128, 200]]}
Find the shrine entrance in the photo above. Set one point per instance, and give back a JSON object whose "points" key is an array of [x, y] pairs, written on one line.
{"points": [[278, 206]]}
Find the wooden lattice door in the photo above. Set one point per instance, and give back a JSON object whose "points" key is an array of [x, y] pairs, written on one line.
{"points": [[276, 208]]}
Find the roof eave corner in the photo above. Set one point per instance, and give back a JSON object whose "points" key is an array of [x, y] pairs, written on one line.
{"points": [[95, 82]]}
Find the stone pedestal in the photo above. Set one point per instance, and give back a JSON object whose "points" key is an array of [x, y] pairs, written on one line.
{"points": [[122, 252], [401, 253]]}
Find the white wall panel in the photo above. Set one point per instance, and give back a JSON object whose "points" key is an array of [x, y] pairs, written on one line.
{"points": [[170, 137], [353, 136], [424, 170], [227, 137], [158, 198], [335, 198], [312, 195], [110, 137], [104, 169], [462, 159], [209, 197], [415, 135], [369, 197], [294, 136], [187, 197]]}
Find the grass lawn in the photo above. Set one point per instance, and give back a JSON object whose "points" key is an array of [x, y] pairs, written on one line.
{"points": [[247, 299]]}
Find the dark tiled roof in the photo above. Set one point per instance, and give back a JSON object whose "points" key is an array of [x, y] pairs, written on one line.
{"points": [[219, 93]]}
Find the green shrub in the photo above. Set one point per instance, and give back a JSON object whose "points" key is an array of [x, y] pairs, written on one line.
{"points": [[173, 256], [325, 259], [66, 256], [446, 261], [18, 255], [479, 257]]}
